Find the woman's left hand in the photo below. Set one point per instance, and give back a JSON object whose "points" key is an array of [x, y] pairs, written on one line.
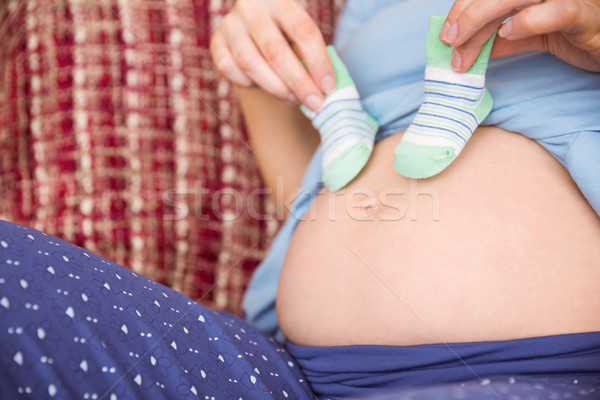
{"points": [[569, 29]]}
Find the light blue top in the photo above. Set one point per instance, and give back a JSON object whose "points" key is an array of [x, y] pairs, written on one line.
{"points": [[382, 42]]}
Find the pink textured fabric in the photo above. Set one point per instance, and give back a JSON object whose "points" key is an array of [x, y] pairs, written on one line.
{"points": [[117, 134]]}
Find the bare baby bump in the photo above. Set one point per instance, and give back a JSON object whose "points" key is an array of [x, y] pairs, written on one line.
{"points": [[501, 245]]}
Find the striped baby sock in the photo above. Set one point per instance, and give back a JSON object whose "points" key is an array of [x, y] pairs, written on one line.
{"points": [[454, 105], [347, 131]]}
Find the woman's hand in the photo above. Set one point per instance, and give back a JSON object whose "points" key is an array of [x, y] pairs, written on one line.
{"points": [[254, 46], [569, 29]]}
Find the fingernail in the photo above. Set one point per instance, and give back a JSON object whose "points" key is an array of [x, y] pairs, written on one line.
{"points": [[313, 102], [449, 32], [456, 60], [292, 98], [327, 84], [506, 29]]}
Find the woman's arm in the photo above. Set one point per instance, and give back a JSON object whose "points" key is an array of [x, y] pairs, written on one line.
{"points": [[259, 44], [283, 140]]}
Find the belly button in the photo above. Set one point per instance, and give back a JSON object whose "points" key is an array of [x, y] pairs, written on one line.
{"points": [[368, 209]]}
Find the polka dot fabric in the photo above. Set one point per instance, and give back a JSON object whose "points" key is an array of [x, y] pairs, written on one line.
{"points": [[74, 325]]}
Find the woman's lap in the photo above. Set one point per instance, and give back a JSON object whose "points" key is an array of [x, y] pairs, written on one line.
{"points": [[78, 326]]}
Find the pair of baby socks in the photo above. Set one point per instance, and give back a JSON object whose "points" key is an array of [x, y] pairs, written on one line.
{"points": [[454, 105]]}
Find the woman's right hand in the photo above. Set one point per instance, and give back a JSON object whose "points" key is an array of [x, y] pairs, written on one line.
{"points": [[569, 29], [254, 46]]}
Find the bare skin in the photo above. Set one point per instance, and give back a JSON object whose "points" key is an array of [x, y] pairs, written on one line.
{"points": [[568, 29], [258, 44], [514, 252], [282, 139], [516, 249]]}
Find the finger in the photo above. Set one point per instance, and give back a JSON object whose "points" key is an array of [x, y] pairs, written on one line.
{"points": [[569, 16], [308, 40], [577, 57], [223, 60], [281, 58], [250, 61], [503, 47], [464, 56], [449, 32], [472, 16]]}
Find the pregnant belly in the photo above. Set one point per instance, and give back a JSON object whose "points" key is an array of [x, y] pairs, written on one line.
{"points": [[500, 245]]}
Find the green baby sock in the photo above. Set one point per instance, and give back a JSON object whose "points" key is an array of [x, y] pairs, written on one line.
{"points": [[454, 105], [347, 130]]}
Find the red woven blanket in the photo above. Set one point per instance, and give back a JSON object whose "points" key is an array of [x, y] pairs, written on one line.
{"points": [[117, 134]]}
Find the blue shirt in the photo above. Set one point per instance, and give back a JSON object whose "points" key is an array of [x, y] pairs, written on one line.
{"points": [[382, 42]]}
